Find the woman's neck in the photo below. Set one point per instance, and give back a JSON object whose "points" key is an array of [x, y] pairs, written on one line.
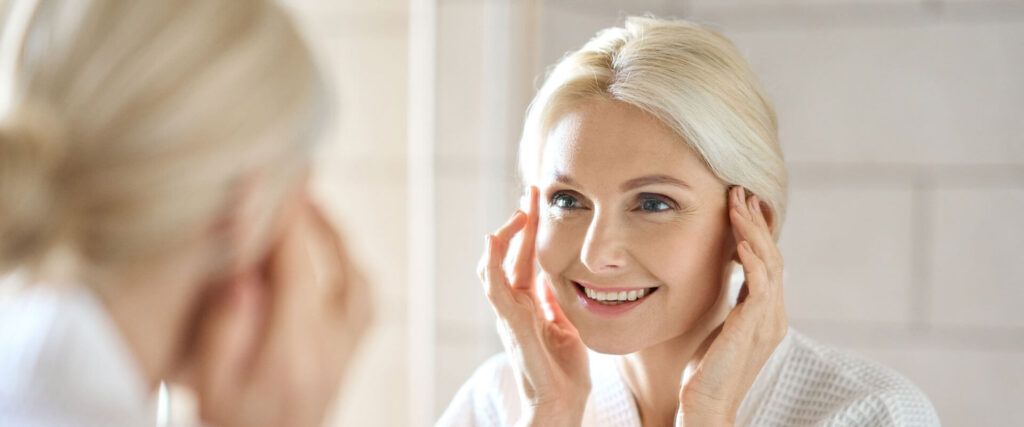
{"points": [[653, 374]]}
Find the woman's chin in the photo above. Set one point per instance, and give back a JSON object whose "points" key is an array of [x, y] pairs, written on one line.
{"points": [[607, 343]]}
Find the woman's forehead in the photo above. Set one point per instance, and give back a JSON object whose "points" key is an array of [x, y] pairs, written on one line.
{"points": [[610, 142]]}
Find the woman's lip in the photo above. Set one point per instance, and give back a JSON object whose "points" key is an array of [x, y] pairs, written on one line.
{"points": [[605, 309]]}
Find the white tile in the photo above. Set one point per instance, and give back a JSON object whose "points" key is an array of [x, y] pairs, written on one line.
{"points": [[938, 93], [970, 387], [848, 255], [977, 266]]}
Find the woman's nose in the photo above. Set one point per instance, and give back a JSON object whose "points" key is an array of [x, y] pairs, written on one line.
{"points": [[604, 246]]}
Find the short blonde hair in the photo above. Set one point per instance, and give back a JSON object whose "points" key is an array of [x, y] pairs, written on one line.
{"points": [[126, 124], [690, 78]]}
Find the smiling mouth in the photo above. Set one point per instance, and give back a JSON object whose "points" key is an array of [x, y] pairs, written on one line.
{"points": [[614, 296]]}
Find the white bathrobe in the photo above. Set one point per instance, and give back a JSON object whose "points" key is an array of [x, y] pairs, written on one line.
{"points": [[803, 383], [63, 363]]}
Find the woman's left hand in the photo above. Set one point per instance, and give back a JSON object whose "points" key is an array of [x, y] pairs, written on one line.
{"points": [[715, 384]]}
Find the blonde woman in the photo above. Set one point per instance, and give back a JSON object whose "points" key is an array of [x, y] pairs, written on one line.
{"points": [[153, 216], [654, 168]]}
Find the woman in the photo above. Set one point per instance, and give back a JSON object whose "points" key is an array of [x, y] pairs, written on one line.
{"points": [[153, 211], [654, 167]]}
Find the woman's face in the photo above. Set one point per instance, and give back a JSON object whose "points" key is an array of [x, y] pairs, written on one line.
{"points": [[629, 212]]}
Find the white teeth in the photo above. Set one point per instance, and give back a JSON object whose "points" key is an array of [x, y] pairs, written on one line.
{"points": [[615, 297]]}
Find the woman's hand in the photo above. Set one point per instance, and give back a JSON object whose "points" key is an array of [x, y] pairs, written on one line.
{"points": [[547, 355], [714, 388], [273, 349]]}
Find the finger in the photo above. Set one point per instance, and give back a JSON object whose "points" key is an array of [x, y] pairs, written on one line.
{"points": [[346, 283], [772, 258], [228, 336], [291, 273], [522, 273], [739, 201], [495, 283], [495, 248], [330, 258], [744, 229], [515, 223], [755, 272], [757, 218], [735, 202], [758, 214], [745, 226]]}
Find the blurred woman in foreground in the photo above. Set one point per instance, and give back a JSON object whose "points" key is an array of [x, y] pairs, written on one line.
{"points": [[154, 216]]}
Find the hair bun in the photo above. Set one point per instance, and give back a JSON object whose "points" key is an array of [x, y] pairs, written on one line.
{"points": [[32, 151]]}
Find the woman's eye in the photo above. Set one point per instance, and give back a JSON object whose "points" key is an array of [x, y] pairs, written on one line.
{"points": [[564, 201], [654, 205]]}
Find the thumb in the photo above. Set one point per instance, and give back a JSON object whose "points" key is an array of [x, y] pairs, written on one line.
{"points": [[227, 338]]}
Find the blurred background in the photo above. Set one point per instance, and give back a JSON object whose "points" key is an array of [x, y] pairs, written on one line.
{"points": [[901, 121]]}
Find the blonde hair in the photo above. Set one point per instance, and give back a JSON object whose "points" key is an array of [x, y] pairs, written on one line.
{"points": [[690, 78], [125, 125]]}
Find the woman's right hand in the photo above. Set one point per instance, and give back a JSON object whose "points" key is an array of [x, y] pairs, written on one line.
{"points": [[547, 355], [274, 348]]}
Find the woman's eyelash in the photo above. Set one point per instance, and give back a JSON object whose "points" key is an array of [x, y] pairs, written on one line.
{"points": [[656, 203], [565, 201]]}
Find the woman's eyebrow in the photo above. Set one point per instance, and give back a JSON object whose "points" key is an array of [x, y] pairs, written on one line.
{"points": [[653, 179], [564, 179]]}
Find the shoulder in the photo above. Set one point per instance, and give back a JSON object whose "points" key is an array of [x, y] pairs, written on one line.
{"points": [[57, 347], [488, 398], [821, 384]]}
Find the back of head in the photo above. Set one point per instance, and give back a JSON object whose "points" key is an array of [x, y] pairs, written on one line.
{"points": [[690, 78], [124, 124]]}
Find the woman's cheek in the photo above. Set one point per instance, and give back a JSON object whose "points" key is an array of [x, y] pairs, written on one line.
{"points": [[555, 245]]}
